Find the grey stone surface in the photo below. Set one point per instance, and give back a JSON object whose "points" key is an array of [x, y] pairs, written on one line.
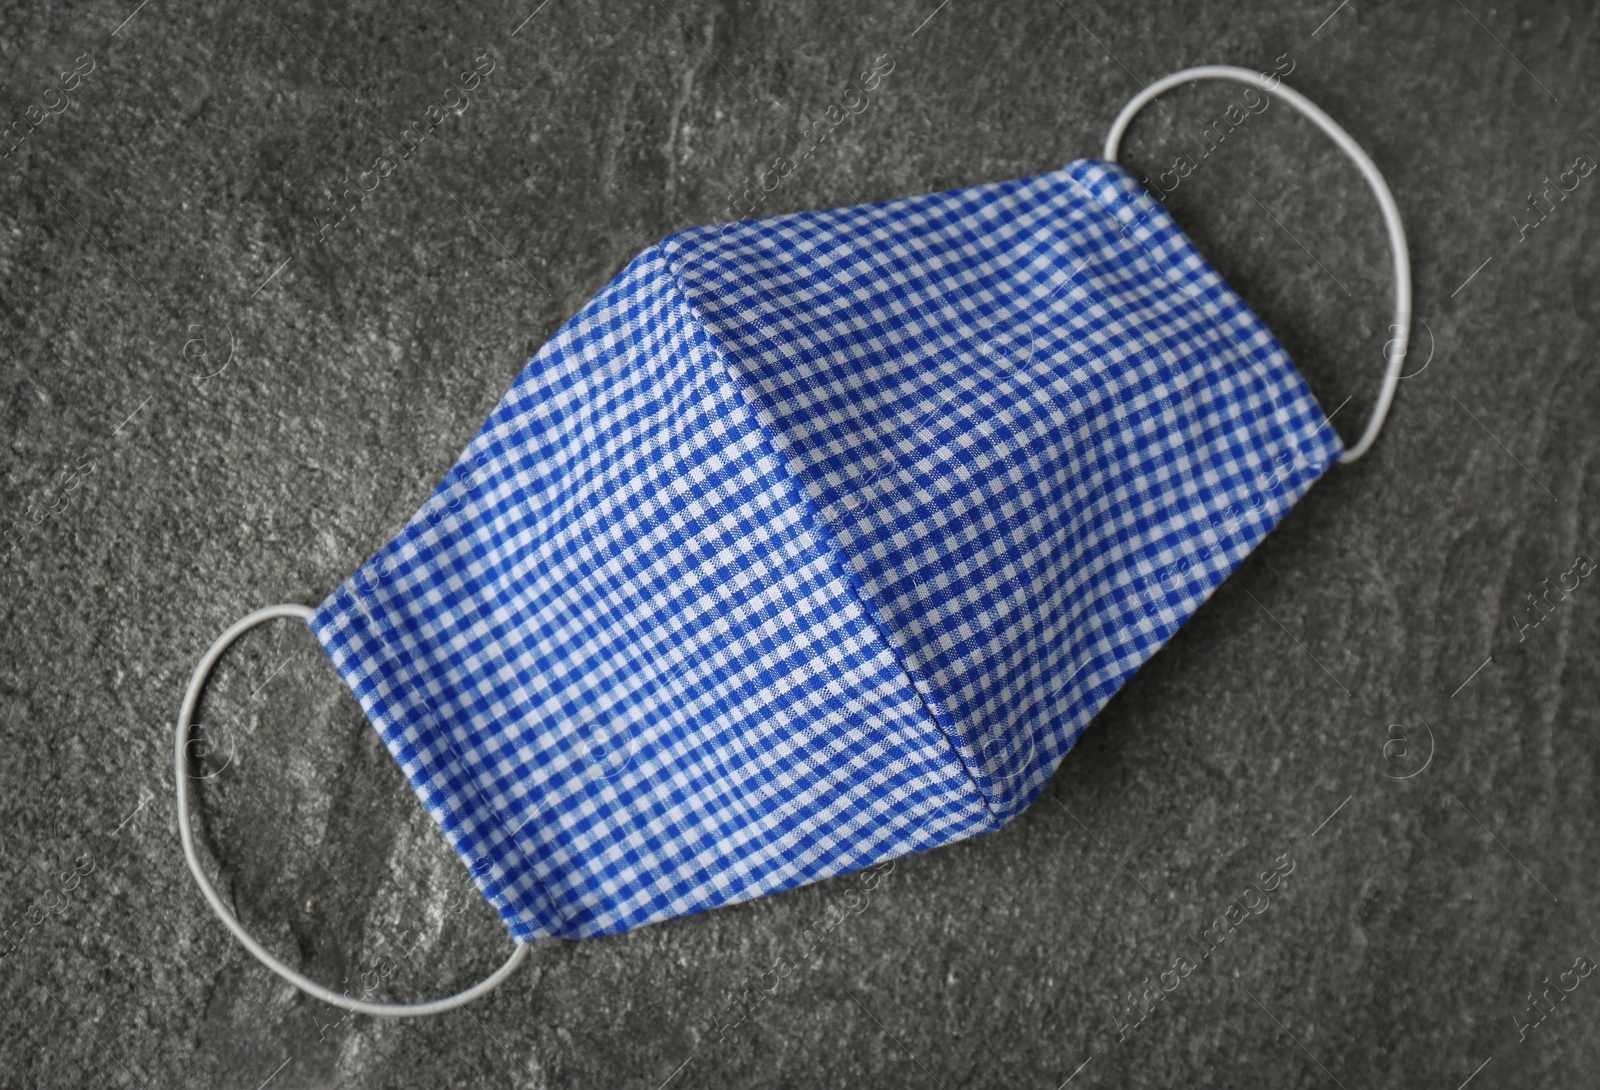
{"points": [[205, 411]]}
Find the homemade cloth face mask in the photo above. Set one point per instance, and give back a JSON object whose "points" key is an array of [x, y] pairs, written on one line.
{"points": [[817, 540]]}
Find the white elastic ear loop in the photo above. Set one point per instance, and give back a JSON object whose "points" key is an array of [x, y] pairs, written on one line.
{"points": [[1396, 348], [191, 700]]}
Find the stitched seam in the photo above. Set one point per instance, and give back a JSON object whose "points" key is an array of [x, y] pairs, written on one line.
{"points": [[382, 634], [1173, 274], [824, 532]]}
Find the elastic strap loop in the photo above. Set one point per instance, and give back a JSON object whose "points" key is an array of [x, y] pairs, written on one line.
{"points": [[1395, 350], [191, 700]]}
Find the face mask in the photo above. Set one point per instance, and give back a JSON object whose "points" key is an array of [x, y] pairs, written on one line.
{"points": [[818, 540]]}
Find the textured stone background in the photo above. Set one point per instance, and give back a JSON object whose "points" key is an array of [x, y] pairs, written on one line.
{"points": [[205, 411]]}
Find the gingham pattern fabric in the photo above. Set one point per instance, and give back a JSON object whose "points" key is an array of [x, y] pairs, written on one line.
{"points": [[817, 540]]}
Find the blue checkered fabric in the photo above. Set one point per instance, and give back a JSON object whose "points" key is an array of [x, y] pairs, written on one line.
{"points": [[817, 540]]}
